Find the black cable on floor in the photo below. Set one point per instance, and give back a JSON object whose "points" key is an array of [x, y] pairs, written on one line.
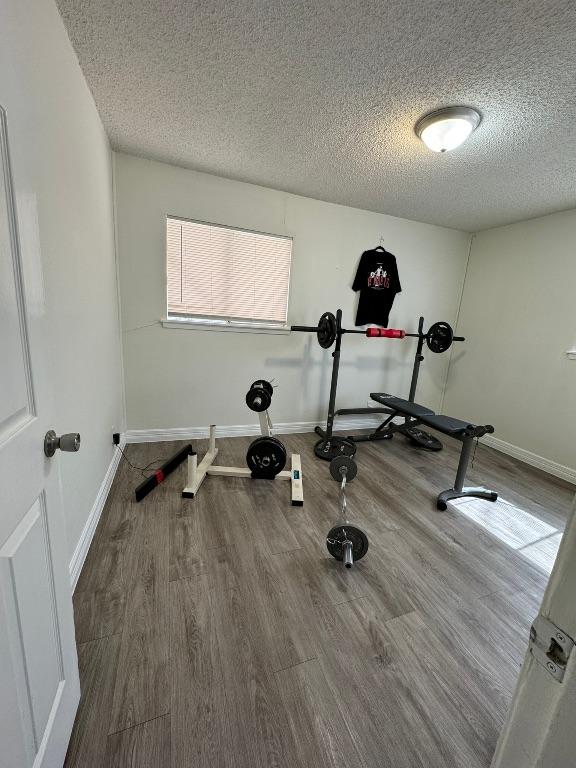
{"points": [[142, 470]]}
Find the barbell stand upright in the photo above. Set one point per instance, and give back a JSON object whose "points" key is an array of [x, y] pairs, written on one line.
{"points": [[192, 471], [297, 492], [197, 472], [265, 423], [418, 358], [327, 433]]}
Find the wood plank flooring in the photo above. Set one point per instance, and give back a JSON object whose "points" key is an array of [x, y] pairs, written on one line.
{"points": [[219, 632]]}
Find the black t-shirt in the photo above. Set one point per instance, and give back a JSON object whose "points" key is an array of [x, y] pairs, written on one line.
{"points": [[378, 282]]}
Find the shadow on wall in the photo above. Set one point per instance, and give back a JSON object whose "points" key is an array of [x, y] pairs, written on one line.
{"points": [[307, 363]]}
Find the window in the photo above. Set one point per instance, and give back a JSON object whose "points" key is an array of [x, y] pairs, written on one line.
{"points": [[226, 276]]}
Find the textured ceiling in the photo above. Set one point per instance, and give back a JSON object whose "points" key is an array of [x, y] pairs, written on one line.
{"points": [[319, 97]]}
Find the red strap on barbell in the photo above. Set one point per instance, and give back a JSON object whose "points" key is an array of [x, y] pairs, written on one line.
{"points": [[388, 333], [159, 475]]}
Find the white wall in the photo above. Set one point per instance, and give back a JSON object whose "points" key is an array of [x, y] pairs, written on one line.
{"points": [[518, 312], [62, 160], [190, 378]]}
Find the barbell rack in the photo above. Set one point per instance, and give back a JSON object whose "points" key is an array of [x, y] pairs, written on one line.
{"points": [[329, 331]]}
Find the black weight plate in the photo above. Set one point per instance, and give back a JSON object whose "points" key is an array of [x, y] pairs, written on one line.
{"points": [[329, 448], [439, 337], [266, 457], [423, 439], [326, 332], [263, 384], [338, 535], [258, 399], [343, 462]]}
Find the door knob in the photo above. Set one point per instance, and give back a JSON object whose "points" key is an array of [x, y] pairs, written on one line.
{"points": [[69, 442]]}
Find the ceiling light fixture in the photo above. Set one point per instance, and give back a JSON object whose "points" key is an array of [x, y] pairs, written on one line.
{"points": [[447, 128]]}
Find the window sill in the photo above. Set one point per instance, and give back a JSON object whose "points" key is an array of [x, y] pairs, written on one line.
{"points": [[571, 354], [195, 325]]}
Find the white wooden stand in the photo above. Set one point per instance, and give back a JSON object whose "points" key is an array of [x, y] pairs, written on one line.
{"points": [[197, 472]]}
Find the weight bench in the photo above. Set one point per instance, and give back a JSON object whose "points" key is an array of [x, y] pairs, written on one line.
{"points": [[414, 415]]}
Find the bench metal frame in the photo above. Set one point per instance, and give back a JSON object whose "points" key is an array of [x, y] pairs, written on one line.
{"points": [[459, 491], [388, 428]]}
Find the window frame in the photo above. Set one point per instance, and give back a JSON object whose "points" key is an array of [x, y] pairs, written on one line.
{"points": [[221, 323]]}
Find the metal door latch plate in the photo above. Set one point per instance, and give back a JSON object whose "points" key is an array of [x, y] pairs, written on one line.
{"points": [[550, 646]]}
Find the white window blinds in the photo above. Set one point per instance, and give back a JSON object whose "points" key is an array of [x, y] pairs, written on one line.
{"points": [[229, 274]]}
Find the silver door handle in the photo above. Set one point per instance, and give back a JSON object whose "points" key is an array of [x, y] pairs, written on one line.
{"points": [[69, 442]]}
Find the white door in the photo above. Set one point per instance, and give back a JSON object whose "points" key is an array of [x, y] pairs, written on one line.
{"points": [[39, 686], [540, 731]]}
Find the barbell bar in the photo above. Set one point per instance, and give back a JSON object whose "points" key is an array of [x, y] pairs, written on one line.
{"points": [[439, 336]]}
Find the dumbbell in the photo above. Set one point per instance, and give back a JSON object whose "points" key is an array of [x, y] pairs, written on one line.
{"points": [[259, 396], [345, 542]]}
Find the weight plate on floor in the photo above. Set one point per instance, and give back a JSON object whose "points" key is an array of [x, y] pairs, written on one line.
{"points": [[329, 448], [326, 332], [266, 457], [339, 534], [258, 399], [423, 439], [439, 337], [343, 463]]}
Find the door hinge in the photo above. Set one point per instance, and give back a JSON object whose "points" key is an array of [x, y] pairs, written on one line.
{"points": [[550, 646]]}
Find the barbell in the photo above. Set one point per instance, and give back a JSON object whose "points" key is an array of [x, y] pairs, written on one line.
{"points": [[345, 542], [439, 337]]}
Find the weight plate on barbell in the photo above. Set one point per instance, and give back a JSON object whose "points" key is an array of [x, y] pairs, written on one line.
{"points": [[341, 533], [266, 457], [263, 384], [258, 399], [439, 337], [326, 332], [340, 463]]}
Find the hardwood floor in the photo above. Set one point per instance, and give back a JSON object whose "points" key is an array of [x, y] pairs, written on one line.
{"points": [[219, 632]]}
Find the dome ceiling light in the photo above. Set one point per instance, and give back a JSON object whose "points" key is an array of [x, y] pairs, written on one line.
{"points": [[447, 128]]}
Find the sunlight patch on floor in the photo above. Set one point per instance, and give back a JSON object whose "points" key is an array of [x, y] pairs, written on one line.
{"points": [[531, 537], [543, 553]]}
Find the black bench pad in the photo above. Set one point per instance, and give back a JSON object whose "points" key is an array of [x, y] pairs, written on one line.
{"points": [[445, 424], [448, 425], [398, 404]]}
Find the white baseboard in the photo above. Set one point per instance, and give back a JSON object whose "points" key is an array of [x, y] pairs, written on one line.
{"points": [[87, 534], [342, 425], [552, 467], [243, 430]]}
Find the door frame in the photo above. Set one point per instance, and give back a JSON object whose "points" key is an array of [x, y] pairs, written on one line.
{"points": [[539, 730]]}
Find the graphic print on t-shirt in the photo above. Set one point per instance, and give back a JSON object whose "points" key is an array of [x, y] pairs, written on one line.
{"points": [[379, 278], [378, 282]]}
